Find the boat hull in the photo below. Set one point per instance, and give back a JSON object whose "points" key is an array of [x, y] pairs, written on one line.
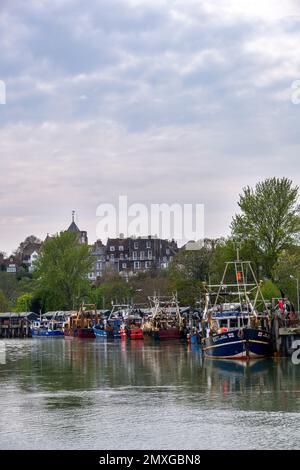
{"points": [[248, 343], [193, 339], [84, 333], [135, 333], [170, 333], [100, 333], [47, 334]]}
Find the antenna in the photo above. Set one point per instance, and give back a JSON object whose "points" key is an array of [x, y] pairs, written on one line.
{"points": [[237, 244]]}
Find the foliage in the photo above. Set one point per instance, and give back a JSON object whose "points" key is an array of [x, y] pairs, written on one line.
{"points": [[4, 303], [23, 303], [288, 265], [61, 271], [9, 286], [195, 263], [269, 219], [30, 241], [270, 290]]}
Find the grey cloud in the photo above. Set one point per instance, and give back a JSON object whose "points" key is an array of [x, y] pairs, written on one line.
{"points": [[113, 99]]}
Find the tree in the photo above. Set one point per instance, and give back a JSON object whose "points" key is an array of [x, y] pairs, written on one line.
{"points": [[31, 241], [270, 290], [4, 303], [288, 265], [9, 286], [61, 271], [269, 219], [23, 303], [194, 263]]}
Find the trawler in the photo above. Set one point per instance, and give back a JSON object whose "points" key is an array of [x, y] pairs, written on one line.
{"points": [[133, 324], [165, 321], [232, 327], [112, 326], [80, 324], [47, 328]]}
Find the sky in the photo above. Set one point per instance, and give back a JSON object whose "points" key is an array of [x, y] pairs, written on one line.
{"points": [[165, 101]]}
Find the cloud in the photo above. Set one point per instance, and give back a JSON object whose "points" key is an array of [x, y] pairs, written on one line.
{"points": [[166, 101]]}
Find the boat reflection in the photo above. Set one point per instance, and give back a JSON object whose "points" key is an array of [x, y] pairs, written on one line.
{"points": [[172, 370]]}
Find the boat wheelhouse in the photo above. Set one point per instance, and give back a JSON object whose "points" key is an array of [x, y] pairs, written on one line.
{"points": [[133, 324], [165, 321], [112, 326], [45, 328]]}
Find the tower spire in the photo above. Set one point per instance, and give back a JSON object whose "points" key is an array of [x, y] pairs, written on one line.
{"points": [[73, 216]]}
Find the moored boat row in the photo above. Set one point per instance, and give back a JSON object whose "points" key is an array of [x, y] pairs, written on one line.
{"points": [[236, 322]]}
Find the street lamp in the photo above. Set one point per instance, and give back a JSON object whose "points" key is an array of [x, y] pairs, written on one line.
{"points": [[297, 281]]}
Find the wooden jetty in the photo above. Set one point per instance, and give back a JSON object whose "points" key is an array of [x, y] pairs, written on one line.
{"points": [[16, 325], [284, 334]]}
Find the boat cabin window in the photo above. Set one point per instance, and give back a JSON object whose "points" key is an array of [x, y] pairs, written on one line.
{"points": [[223, 323], [233, 323]]}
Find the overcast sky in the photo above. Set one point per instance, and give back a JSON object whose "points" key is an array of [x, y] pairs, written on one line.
{"points": [[166, 101]]}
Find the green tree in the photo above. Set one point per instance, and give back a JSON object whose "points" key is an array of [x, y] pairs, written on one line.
{"points": [[270, 290], [9, 286], [269, 219], [4, 303], [61, 271], [23, 303], [288, 265], [226, 250], [114, 289], [194, 263]]}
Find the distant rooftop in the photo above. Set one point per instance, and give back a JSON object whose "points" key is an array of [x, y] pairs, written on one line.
{"points": [[73, 227]]}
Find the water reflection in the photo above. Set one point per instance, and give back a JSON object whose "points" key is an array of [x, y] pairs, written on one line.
{"points": [[155, 392]]}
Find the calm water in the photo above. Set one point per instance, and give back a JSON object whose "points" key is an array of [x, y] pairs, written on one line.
{"points": [[85, 394]]}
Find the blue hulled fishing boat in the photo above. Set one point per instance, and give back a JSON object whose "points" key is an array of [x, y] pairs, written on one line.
{"points": [[108, 329], [113, 325], [47, 328], [232, 326]]}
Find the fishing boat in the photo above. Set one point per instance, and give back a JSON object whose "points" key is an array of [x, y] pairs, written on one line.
{"points": [[47, 328], [80, 324], [165, 321], [113, 325], [232, 327], [108, 328], [133, 325]]}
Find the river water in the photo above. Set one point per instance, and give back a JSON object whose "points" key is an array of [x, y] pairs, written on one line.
{"points": [[93, 394]]}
